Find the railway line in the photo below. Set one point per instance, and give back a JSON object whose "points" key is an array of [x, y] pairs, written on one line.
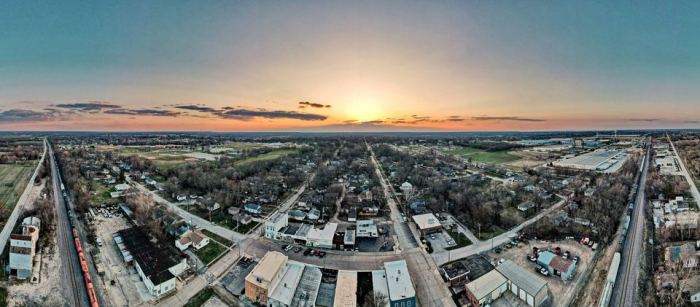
{"points": [[625, 290], [70, 264]]}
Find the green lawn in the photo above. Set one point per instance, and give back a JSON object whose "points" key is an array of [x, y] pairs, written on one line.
{"points": [[478, 155], [244, 229], [102, 194], [268, 156], [200, 298], [461, 240], [463, 151], [217, 238], [13, 180], [242, 145], [210, 252]]}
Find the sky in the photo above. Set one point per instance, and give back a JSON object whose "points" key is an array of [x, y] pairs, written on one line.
{"points": [[349, 65]]}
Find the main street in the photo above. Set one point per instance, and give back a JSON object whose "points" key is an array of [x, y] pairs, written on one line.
{"points": [[625, 291], [431, 290], [73, 290]]}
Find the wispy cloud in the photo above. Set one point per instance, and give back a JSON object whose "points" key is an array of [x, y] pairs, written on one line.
{"points": [[643, 119], [507, 118], [692, 121], [143, 112], [92, 106], [18, 115], [248, 114], [195, 107], [304, 104]]}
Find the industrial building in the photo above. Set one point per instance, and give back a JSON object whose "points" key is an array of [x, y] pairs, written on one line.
{"points": [[508, 276], [604, 160], [23, 248], [156, 265], [285, 286], [427, 223]]}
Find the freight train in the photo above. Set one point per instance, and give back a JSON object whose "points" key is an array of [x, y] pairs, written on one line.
{"points": [[83, 263]]}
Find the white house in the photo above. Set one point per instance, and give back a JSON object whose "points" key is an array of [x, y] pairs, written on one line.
{"points": [[195, 239], [277, 221]]}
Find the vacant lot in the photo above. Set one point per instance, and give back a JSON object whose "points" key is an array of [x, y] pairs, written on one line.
{"points": [[210, 252], [478, 155], [13, 181], [268, 156]]}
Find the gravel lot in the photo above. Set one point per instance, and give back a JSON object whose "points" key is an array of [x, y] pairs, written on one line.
{"points": [[562, 291]]}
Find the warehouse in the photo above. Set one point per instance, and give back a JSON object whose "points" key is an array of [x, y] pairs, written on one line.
{"points": [[600, 160], [523, 283], [487, 288], [557, 265]]}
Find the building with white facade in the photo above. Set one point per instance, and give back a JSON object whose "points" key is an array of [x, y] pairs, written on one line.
{"points": [[274, 224], [23, 248]]}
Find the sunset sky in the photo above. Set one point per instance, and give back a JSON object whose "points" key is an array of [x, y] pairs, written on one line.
{"points": [[349, 66]]}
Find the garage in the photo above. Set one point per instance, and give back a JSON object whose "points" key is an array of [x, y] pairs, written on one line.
{"points": [[514, 289]]}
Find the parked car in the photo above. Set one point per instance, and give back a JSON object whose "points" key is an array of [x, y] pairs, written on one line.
{"points": [[544, 272], [538, 268], [288, 248], [575, 259], [501, 261], [284, 247], [297, 249], [533, 258], [321, 254], [308, 251], [432, 237]]}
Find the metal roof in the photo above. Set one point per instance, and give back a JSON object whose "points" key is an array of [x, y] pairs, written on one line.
{"points": [[307, 289], [486, 284], [521, 277], [379, 285], [284, 291]]}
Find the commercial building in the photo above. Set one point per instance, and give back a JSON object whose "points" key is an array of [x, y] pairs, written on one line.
{"points": [[366, 229], [23, 248], [285, 285], [600, 160], [523, 283], [274, 224], [401, 291], [308, 287], [322, 238], [346, 289], [380, 286], [259, 282], [156, 265], [427, 223]]}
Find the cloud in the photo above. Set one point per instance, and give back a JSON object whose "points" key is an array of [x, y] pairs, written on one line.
{"points": [[643, 119], [17, 115], [192, 107], [143, 112], [507, 118], [247, 114], [691, 121], [304, 104], [92, 106]]}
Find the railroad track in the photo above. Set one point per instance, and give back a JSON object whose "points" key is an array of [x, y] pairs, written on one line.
{"points": [[65, 239], [626, 295]]}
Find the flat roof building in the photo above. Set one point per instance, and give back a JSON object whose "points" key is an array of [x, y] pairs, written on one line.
{"points": [[427, 223], [380, 286], [487, 288], [23, 248], [258, 284], [366, 229], [322, 238], [401, 289], [274, 224], [285, 285], [346, 289], [308, 287]]}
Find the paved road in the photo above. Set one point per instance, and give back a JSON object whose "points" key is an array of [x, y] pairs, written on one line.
{"points": [[19, 206], [221, 231], [73, 290], [625, 291], [486, 245], [431, 290], [693, 187]]}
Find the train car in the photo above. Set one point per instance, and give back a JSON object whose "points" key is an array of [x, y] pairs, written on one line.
{"points": [[77, 246], [91, 295], [83, 265], [75, 233]]}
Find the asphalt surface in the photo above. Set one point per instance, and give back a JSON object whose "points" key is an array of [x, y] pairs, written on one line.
{"points": [[625, 291], [73, 290]]}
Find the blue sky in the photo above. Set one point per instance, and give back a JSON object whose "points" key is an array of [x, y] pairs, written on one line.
{"points": [[567, 64]]}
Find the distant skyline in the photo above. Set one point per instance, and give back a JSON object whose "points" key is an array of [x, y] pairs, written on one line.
{"points": [[349, 66]]}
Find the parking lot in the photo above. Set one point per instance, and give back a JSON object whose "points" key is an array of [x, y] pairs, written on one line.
{"points": [[128, 289], [562, 291], [439, 241], [234, 280], [383, 243]]}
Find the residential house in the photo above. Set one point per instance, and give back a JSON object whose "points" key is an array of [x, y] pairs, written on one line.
{"points": [[207, 204], [682, 254], [528, 205], [253, 209], [195, 239]]}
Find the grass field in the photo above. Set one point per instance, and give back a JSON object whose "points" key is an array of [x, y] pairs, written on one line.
{"points": [[101, 195], [210, 252], [477, 155], [217, 238], [242, 145], [268, 156], [200, 298], [13, 181]]}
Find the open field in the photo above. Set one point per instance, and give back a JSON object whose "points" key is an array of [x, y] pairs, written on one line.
{"points": [[100, 195], [13, 181], [210, 252], [268, 156], [242, 145], [478, 155]]}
